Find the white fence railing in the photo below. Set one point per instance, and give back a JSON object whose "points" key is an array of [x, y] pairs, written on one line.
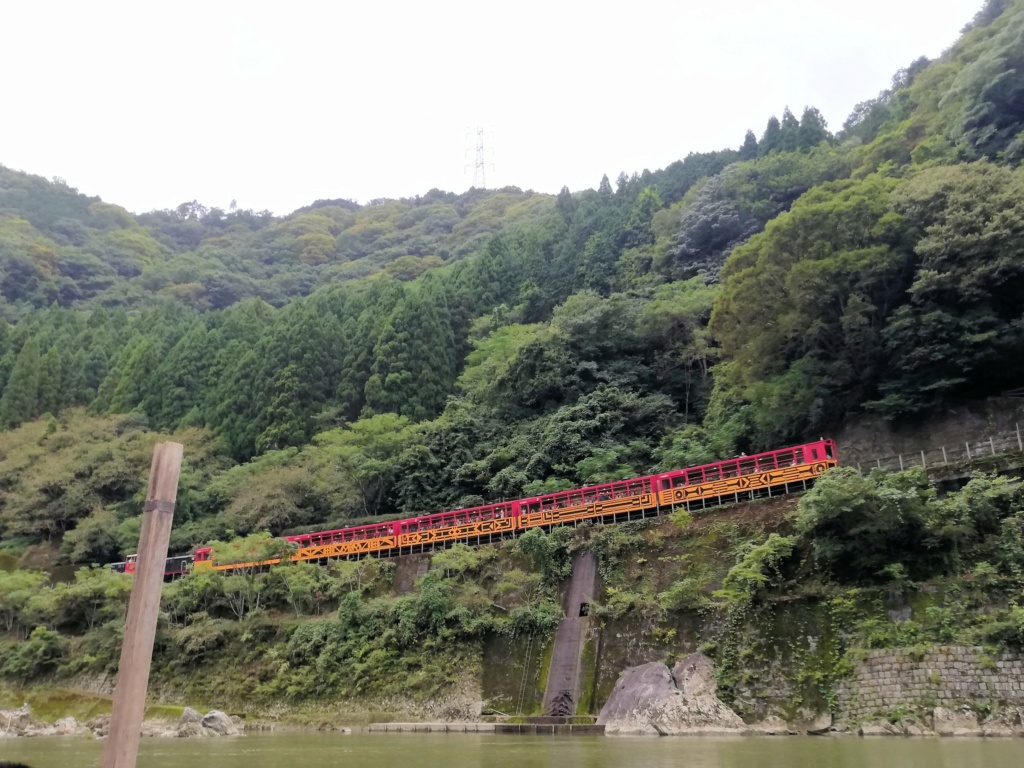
{"points": [[958, 453]]}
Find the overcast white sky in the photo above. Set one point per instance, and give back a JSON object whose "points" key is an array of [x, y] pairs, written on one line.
{"points": [[276, 104]]}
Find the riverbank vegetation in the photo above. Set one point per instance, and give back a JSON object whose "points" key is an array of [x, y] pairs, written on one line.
{"points": [[885, 561]]}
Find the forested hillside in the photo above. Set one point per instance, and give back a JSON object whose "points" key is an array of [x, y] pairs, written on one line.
{"points": [[349, 360]]}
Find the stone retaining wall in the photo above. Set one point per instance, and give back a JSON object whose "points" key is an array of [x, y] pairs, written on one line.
{"points": [[944, 676]]}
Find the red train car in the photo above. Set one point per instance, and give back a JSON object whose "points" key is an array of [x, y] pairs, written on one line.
{"points": [[715, 482]]}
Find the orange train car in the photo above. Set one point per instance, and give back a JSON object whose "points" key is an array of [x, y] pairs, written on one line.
{"points": [[733, 480]]}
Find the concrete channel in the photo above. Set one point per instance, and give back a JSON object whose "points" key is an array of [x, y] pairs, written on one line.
{"points": [[564, 685]]}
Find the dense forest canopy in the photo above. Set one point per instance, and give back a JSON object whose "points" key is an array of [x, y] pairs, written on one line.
{"points": [[350, 360]]}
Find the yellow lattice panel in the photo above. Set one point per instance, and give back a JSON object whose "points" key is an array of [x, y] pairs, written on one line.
{"points": [[241, 566], [598, 509], [346, 548], [459, 532], [732, 485]]}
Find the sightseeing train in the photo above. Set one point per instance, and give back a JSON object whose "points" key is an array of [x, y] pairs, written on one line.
{"points": [[742, 478]]}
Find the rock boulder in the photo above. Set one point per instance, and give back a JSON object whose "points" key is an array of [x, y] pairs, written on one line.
{"points": [[652, 700], [68, 726], [15, 722], [880, 728], [219, 723], [955, 722], [773, 725]]}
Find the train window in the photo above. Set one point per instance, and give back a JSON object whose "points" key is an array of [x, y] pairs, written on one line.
{"points": [[695, 477], [814, 453], [712, 473], [785, 458], [828, 451]]}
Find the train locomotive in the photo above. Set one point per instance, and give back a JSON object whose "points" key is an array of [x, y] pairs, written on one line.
{"points": [[771, 473]]}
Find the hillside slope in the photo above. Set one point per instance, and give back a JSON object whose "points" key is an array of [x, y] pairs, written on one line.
{"points": [[448, 349]]}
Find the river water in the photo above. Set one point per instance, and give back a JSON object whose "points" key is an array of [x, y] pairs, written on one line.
{"points": [[313, 750]]}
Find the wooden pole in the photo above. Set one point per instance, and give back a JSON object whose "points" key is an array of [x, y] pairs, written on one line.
{"points": [[122, 745]]}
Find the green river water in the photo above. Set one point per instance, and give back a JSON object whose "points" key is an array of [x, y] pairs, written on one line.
{"points": [[310, 750]]}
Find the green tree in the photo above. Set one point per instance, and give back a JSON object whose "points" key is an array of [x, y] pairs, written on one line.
{"points": [[302, 585], [36, 656], [597, 264], [365, 456], [183, 376], [129, 382], [961, 330], [194, 596], [19, 402], [801, 311], [246, 587], [362, 328], [770, 139], [96, 596], [758, 568], [16, 590], [789, 132], [859, 527], [565, 204], [991, 119], [813, 129], [49, 395], [749, 149], [413, 367]]}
